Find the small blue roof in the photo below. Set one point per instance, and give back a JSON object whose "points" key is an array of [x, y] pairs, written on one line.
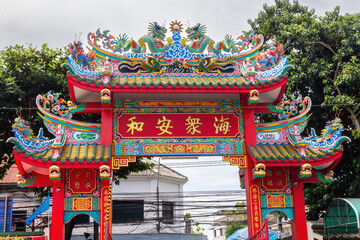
{"points": [[242, 234]]}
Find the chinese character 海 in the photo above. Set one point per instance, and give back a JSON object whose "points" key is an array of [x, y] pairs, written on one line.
{"points": [[164, 125], [222, 125], [138, 126], [192, 125]]}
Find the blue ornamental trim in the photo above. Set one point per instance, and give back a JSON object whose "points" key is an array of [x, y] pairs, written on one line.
{"points": [[68, 215], [81, 71], [287, 211], [279, 70]]}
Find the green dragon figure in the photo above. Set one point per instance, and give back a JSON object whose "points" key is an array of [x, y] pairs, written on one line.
{"points": [[207, 64], [199, 41], [330, 136], [124, 44], [25, 139], [27, 133], [151, 64], [228, 45], [154, 39]]}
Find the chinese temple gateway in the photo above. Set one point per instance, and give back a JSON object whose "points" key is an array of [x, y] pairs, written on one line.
{"points": [[177, 96]]}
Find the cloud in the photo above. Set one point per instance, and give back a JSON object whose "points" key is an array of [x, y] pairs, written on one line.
{"points": [[57, 22]]}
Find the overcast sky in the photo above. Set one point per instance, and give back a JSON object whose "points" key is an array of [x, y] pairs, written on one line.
{"points": [[56, 22]]}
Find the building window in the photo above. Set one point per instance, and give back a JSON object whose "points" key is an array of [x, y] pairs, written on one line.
{"points": [[168, 212], [19, 219], [127, 211]]}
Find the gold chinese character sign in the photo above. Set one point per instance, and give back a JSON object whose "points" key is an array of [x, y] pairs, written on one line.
{"points": [[154, 128], [174, 125]]}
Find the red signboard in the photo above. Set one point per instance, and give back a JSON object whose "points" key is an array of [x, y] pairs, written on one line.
{"points": [[276, 179], [255, 208], [82, 180], [178, 125]]}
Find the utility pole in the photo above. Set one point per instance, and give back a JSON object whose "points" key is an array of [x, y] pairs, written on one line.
{"points": [[158, 200]]}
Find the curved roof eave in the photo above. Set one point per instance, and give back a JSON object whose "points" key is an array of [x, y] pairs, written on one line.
{"points": [[353, 202]]}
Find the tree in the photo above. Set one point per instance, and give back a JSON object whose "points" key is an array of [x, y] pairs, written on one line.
{"points": [[323, 50], [236, 225], [25, 73], [190, 221]]}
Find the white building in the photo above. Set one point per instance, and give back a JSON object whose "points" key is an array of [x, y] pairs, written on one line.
{"points": [[135, 204]]}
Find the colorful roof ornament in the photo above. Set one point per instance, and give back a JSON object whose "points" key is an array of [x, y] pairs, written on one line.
{"points": [[176, 92], [57, 114], [281, 141], [175, 55]]}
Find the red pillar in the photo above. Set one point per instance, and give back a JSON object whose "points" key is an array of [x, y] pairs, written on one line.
{"points": [[104, 201], [252, 189], [298, 224], [106, 139], [57, 218]]}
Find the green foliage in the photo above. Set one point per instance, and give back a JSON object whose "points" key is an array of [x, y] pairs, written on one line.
{"points": [[235, 225], [25, 73], [195, 226], [324, 51]]}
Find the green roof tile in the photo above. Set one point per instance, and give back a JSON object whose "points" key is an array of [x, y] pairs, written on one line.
{"points": [[282, 152]]}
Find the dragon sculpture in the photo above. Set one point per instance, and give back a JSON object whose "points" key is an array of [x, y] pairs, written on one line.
{"points": [[228, 45], [208, 64], [150, 64], [199, 41], [77, 52], [290, 107], [268, 59], [25, 139], [50, 103], [330, 136], [120, 44], [154, 39]]}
